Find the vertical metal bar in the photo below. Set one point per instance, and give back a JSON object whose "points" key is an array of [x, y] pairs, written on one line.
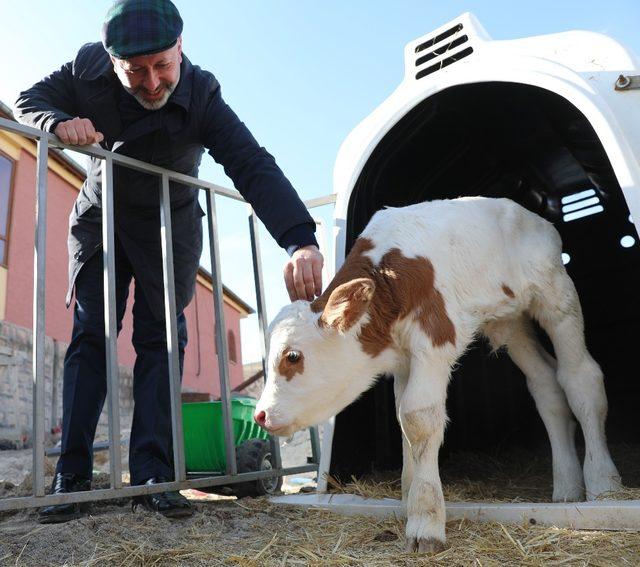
{"points": [[321, 236], [221, 335], [110, 330], [315, 444], [172, 329], [328, 429], [262, 315], [39, 267], [339, 249], [55, 377]]}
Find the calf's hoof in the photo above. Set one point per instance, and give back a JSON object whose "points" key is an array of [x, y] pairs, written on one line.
{"points": [[424, 545], [568, 494], [601, 478], [605, 488], [568, 481]]}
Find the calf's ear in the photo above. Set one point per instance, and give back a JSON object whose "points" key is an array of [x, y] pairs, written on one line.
{"points": [[347, 303]]}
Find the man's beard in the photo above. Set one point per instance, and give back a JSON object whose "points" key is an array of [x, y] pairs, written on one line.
{"points": [[153, 104]]}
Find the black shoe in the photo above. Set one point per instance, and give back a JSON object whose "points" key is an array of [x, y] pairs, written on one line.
{"points": [[64, 483], [169, 504]]}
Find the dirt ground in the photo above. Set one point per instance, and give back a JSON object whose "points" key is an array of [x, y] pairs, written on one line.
{"points": [[255, 532]]}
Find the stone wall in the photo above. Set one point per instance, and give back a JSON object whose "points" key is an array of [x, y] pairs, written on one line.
{"points": [[16, 389]]}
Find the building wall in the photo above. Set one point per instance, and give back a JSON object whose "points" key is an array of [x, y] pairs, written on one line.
{"points": [[201, 361], [19, 298]]}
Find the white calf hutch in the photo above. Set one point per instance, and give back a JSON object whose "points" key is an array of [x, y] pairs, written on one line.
{"points": [[551, 122]]}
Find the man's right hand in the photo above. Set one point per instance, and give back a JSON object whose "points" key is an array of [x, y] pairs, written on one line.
{"points": [[78, 132]]}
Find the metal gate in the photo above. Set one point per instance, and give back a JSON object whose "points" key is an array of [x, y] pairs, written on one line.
{"points": [[181, 482]]}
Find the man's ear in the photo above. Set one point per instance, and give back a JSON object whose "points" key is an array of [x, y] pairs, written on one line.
{"points": [[179, 44], [347, 304]]}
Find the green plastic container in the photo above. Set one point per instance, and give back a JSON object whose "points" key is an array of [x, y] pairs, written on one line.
{"points": [[204, 433]]}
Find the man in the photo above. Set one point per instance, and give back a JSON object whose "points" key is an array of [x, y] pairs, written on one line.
{"points": [[138, 95]]}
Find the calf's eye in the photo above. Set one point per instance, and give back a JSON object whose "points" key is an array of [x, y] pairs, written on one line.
{"points": [[293, 356], [291, 363]]}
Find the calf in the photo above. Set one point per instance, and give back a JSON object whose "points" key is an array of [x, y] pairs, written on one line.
{"points": [[418, 286]]}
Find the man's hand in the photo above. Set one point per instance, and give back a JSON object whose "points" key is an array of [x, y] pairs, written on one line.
{"points": [[303, 273], [78, 132]]}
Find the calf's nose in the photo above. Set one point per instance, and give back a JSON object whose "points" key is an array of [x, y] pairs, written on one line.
{"points": [[260, 418]]}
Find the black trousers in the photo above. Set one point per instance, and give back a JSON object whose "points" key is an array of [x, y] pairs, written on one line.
{"points": [[85, 384]]}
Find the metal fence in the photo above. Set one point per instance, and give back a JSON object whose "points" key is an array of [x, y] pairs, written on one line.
{"points": [[181, 482]]}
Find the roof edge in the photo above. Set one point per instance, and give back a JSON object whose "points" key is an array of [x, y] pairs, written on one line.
{"points": [[226, 291]]}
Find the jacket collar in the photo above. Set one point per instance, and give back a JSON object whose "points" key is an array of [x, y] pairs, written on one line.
{"points": [[182, 95]]}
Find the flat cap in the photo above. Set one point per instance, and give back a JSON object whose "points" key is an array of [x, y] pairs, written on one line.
{"points": [[140, 27]]}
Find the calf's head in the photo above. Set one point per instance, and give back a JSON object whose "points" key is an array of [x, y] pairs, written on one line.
{"points": [[316, 366]]}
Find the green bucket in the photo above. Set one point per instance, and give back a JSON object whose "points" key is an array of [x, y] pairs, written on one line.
{"points": [[204, 433]]}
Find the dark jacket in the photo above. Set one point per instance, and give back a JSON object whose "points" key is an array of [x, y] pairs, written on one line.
{"points": [[175, 136]]}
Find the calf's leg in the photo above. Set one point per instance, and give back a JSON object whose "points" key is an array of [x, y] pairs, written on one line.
{"points": [[581, 378], [399, 386], [539, 369], [423, 417]]}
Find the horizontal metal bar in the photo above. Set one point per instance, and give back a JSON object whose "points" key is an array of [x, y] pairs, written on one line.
{"points": [[129, 491], [600, 515], [320, 201], [96, 151], [311, 467]]}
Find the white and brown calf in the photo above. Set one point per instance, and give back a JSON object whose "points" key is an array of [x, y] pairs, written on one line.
{"points": [[419, 284]]}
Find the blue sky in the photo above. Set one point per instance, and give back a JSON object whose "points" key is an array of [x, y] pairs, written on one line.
{"points": [[301, 74]]}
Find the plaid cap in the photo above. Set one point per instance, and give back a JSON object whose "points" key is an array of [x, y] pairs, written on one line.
{"points": [[140, 27]]}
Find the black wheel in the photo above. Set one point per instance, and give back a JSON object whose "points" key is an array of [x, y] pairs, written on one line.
{"points": [[255, 455]]}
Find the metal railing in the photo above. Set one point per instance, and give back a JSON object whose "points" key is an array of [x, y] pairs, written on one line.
{"points": [[117, 490]]}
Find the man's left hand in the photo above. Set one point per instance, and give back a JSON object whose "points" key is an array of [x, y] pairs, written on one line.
{"points": [[303, 273]]}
